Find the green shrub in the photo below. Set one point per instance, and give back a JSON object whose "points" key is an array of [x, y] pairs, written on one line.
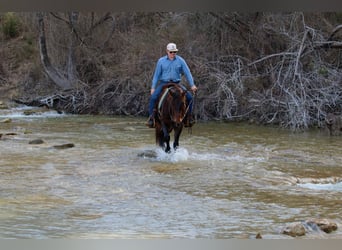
{"points": [[10, 25], [323, 71]]}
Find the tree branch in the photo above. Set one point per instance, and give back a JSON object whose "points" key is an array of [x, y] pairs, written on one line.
{"points": [[329, 45], [337, 28], [60, 18], [273, 55]]}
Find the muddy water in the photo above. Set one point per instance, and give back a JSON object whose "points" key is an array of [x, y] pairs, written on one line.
{"points": [[227, 180]]}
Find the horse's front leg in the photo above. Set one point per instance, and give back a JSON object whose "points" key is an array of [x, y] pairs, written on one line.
{"points": [[177, 132], [166, 139]]}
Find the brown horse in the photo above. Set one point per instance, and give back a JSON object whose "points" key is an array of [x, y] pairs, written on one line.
{"points": [[172, 110]]}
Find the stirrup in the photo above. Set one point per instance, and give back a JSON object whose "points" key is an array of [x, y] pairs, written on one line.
{"points": [[189, 122]]}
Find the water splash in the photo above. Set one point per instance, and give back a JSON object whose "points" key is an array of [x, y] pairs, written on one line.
{"points": [[37, 115], [23, 112], [321, 186], [179, 155], [183, 155]]}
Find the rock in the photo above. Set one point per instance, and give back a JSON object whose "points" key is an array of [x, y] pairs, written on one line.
{"points": [[4, 136], [3, 105], [29, 112], [36, 141], [325, 225], [327, 180], [294, 229], [148, 154], [258, 236], [7, 120], [129, 128], [11, 133], [64, 146]]}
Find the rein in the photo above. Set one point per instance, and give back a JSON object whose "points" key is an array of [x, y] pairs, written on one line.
{"points": [[186, 111]]}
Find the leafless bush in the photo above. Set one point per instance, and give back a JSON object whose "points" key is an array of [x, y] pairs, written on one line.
{"points": [[301, 95], [272, 68], [300, 86]]}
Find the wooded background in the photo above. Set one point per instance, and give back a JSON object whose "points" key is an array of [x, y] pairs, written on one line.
{"points": [[267, 68]]}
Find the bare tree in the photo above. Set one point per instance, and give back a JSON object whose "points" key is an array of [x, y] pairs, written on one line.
{"points": [[54, 74]]}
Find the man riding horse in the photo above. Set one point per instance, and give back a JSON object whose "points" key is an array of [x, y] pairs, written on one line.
{"points": [[169, 69]]}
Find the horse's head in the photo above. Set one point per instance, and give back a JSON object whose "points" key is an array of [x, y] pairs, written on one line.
{"points": [[177, 108]]}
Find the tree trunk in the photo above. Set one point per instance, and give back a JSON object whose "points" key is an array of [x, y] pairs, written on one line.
{"points": [[57, 77], [73, 17]]}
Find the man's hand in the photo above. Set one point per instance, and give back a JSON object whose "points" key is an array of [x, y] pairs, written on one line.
{"points": [[152, 90], [194, 89]]}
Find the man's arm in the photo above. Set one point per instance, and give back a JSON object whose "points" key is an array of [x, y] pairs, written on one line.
{"points": [[187, 74], [156, 75]]}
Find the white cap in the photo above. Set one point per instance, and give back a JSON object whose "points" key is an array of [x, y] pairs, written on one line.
{"points": [[171, 47]]}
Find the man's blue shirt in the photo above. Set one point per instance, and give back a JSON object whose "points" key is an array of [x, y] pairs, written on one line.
{"points": [[171, 70]]}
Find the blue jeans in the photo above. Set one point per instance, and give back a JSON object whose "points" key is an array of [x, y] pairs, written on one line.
{"points": [[157, 92]]}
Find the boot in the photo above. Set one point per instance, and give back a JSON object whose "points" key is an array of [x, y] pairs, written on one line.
{"points": [[189, 121], [150, 122]]}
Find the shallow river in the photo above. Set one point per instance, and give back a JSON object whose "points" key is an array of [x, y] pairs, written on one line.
{"points": [[227, 180]]}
